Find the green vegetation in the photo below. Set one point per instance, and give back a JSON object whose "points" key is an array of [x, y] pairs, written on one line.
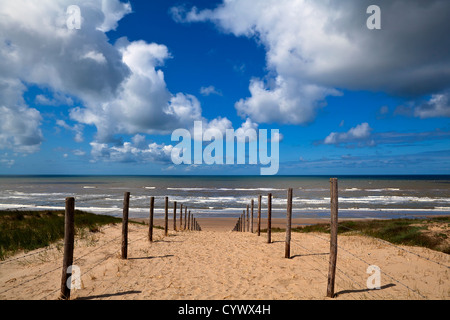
{"points": [[430, 233], [29, 230]]}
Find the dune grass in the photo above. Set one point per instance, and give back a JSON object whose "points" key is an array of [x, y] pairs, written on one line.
{"points": [[29, 230], [412, 232]]}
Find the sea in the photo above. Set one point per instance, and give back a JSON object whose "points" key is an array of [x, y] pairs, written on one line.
{"points": [[405, 196]]}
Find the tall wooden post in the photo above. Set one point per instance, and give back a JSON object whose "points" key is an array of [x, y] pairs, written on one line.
{"points": [[333, 236], [251, 223], [69, 234], [243, 218], [259, 215], [126, 205], [181, 217], [150, 224], [185, 217], [166, 217], [287, 251], [248, 220], [174, 216], [269, 218], [189, 220]]}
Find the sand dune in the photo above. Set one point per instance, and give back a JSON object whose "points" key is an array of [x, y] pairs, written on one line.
{"points": [[218, 264]]}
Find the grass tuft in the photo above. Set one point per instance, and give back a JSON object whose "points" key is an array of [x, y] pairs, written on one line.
{"points": [[29, 230]]}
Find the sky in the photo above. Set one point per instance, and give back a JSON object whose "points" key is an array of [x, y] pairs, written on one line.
{"points": [[102, 89]]}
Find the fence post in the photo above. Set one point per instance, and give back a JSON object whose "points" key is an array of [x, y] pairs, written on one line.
{"points": [[251, 225], [69, 234], [126, 204], [181, 217], [333, 236], [185, 218], [166, 217], [259, 215], [189, 220], [287, 251], [174, 216], [243, 218], [248, 221], [269, 218], [150, 224]]}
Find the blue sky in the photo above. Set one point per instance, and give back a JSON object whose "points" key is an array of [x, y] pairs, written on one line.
{"points": [[105, 98]]}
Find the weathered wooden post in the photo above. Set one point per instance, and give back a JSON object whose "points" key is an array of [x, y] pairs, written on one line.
{"points": [[259, 215], [333, 236], [126, 205], [269, 218], [69, 234], [248, 220], [174, 216], [166, 217], [251, 223], [181, 216], [185, 218], [189, 220], [243, 218], [287, 251], [150, 223]]}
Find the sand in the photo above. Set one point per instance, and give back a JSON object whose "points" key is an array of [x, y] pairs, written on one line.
{"points": [[217, 264]]}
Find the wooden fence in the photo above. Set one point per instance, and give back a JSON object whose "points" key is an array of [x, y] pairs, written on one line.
{"points": [[190, 223]]}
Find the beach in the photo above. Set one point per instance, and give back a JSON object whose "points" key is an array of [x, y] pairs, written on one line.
{"points": [[218, 264]]}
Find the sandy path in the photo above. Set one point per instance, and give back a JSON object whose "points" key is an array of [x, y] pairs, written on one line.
{"points": [[227, 265]]}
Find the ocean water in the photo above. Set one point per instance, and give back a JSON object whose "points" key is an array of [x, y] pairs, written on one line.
{"points": [[227, 196]]}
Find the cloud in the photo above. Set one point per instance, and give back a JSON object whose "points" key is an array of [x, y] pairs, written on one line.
{"points": [[359, 136], [316, 48], [119, 87], [19, 125], [77, 129], [58, 99], [207, 91], [362, 136], [438, 106], [37, 48], [136, 151]]}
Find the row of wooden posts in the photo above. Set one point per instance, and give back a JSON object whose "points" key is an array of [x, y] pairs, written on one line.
{"points": [[245, 224], [190, 223]]}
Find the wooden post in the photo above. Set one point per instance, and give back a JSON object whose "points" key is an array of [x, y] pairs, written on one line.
{"points": [[185, 217], [181, 216], [69, 234], [259, 215], [166, 217], [243, 218], [269, 218], [287, 251], [189, 220], [248, 221], [333, 236], [150, 224], [174, 216], [126, 204], [251, 223]]}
